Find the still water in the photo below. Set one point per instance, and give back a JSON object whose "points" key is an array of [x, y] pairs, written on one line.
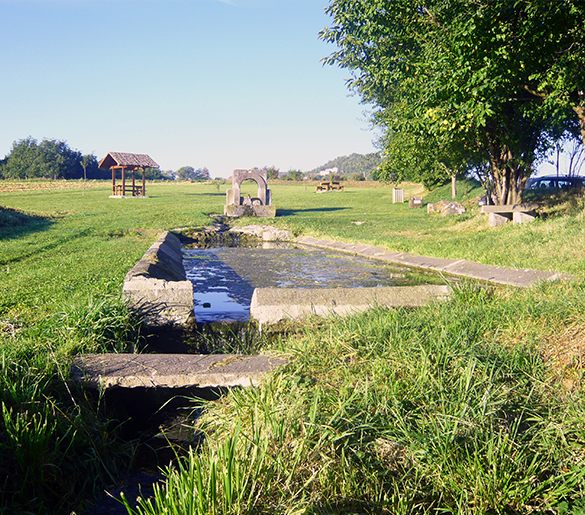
{"points": [[224, 278]]}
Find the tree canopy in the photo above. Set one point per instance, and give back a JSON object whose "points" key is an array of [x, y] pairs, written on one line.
{"points": [[188, 173], [49, 159], [464, 85]]}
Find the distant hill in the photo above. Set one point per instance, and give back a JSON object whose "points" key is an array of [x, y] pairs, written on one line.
{"points": [[354, 164]]}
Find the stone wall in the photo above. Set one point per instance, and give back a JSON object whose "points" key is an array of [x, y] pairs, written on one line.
{"points": [[157, 284]]}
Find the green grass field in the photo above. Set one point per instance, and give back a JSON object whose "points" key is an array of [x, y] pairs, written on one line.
{"points": [[472, 406]]}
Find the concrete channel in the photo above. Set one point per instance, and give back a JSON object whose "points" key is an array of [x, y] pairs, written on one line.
{"points": [[157, 285]]}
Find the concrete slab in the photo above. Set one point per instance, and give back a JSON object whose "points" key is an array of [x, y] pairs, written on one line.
{"points": [[172, 370], [526, 207], [271, 305], [517, 277]]}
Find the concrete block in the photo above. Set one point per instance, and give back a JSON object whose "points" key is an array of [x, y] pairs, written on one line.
{"points": [[157, 285], [522, 218], [163, 260], [496, 219], [258, 211], [270, 305], [230, 196], [163, 302]]}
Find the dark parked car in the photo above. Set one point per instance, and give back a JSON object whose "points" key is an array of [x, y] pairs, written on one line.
{"points": [[552, 182]]}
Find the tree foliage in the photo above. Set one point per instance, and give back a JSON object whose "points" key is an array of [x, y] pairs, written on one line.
{"points": [[155, 174], [353, 165], [49, 159], [294, 175], [188, 173], [463, 85]]}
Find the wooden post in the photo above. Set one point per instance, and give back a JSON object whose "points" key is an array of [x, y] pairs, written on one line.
{"points": [[143, 183], [133, 181], [113, 180], [123, 181]]}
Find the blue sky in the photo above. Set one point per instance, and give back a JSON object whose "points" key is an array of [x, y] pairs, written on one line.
{"points": [[224, 84]]}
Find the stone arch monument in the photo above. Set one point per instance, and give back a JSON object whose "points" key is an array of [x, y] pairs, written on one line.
{"points": [[260, 206]]}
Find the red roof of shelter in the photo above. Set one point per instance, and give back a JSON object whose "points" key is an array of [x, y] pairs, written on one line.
{"points": [[127, 160]]}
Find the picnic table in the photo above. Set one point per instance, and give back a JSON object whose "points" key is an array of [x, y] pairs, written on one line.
{"points": [[329, 186]]}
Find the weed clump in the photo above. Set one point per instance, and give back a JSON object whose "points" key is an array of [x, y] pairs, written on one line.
{"points": [[55, 446]]}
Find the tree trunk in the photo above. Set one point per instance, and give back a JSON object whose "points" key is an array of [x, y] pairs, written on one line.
{"points": [[453, 187], [580, 110]]}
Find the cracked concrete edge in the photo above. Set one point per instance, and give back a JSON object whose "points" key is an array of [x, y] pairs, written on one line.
{"points": [[172, 370], [517, 277]]}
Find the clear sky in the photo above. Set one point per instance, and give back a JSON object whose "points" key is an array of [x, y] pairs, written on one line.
{"points": [[224, 84]]}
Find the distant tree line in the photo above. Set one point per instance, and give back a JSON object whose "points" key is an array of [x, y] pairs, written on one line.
{"points": [[51, 158], [188, 173], [54, 159]]}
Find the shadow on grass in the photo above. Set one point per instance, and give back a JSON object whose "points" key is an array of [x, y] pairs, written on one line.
{"points": [[15, 223], [204, 194], [290, 212]]}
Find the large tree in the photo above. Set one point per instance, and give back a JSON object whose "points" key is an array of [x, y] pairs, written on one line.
{"points": [[450, 80], [554, 44], [50, 158]]}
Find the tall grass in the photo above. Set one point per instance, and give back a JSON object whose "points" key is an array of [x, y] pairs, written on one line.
{"points": [[453, 408], [447, 409], [55, 447]]}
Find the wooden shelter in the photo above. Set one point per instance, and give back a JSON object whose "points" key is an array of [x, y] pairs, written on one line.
{"points": [[127, 162]]}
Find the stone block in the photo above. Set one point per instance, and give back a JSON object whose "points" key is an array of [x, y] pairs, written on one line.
{"points": [[274, 234], [230, 196], [162, 302], [496, 219], [163, 260], [271, 305], [157, 285], [446, 207], [264, 232], [522, 218], [257, 211], [172, 370]]}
